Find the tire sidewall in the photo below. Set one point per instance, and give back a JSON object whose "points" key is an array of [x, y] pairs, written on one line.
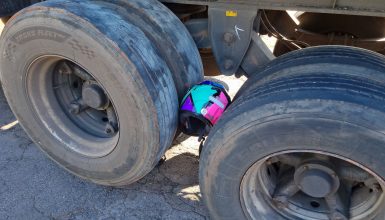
{"points": [[122, 82], [236, 146]]}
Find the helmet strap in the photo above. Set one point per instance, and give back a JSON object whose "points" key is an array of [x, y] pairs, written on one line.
{"points": [[202, 137]]}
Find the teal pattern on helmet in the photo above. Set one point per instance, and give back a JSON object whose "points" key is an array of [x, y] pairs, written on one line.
{"points": [[202, 107]]}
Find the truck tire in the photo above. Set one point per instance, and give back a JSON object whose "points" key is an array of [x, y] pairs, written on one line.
{"points": [[177, 48], [300, 147], [90, 87], [319, 57]]}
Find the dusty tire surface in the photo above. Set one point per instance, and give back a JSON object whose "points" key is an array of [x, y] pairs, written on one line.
{"points": [[330, 110], [120, 56], [177, 48], [366, 64]]}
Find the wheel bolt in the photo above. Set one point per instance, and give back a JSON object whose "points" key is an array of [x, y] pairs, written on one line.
{"points": [[110, 129]]}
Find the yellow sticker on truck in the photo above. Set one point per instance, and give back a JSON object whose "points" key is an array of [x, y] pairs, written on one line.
{"points": [[231, 13]]}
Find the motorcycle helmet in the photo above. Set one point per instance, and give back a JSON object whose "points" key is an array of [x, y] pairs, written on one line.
{"points": [[202, 107]]}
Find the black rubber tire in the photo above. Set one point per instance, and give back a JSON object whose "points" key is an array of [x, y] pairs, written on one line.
{"points": [[122, 57], [329, 109], [177, 48], [296, 62]]}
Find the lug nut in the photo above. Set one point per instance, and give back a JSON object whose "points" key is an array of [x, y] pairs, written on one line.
{"points": [[110, 129]]}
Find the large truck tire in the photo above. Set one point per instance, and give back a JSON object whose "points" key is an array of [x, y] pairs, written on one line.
{"points": [[177, 48], [307, 146], [90, 87], [359, 62], [170, 37]]}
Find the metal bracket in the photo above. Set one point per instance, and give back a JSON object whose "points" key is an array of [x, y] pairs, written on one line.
{"points": [[258, 54], [230, 33]]}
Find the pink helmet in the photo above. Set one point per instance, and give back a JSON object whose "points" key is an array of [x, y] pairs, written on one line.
{"points": [[202, 107]]}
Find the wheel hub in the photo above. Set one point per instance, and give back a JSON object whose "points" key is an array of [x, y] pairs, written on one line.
{"points": [[316, 180], [94, 96], [90, 99], [310, 185], [87, 101]]}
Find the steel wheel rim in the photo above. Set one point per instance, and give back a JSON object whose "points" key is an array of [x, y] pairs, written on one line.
{"points": [[257, 190], [51, 94]]}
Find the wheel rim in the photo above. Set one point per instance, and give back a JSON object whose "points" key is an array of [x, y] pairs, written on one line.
{"points": [[280, 186], [72, 105]]}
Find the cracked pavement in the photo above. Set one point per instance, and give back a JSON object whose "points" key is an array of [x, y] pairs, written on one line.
{"points": [[34, 187]]}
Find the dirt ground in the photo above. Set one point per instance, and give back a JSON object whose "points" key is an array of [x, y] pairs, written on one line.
{"points": [[34, 187]]}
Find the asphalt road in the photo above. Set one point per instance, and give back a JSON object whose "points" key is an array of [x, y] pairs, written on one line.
{"points": [[34, 187]]}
